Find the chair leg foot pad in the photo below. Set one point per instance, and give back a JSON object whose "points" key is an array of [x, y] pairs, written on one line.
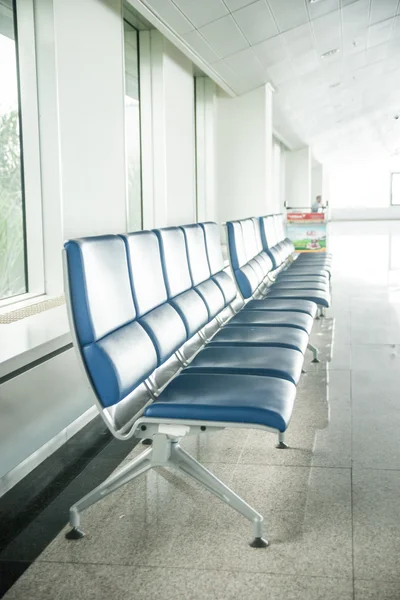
{"points": [[315, 360], [259, 543], [74, 534], [282, 446]]}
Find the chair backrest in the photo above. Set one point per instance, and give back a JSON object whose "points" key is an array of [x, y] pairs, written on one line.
{"points": [[117, 351], [135, 299], [246, 274], [216, 261], [182, 296], [202, 281]]}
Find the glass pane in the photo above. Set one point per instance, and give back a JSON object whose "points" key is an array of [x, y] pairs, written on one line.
{"points": [[12, 251], [132, 129], [395, 188]]}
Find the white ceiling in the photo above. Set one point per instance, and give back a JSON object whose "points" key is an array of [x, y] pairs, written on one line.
{"points": [[341, 103]]}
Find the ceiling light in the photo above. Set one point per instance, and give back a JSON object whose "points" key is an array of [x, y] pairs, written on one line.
{"points": [[330, 53], [313, 1]]}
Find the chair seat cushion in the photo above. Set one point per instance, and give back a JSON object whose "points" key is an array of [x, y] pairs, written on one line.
{"points": [[278, 337], [273, 318], [248, 399], [272, 362], [317, 296], [286, 276], [309, 256], [283, 304], [309, 269], [300, 285]]}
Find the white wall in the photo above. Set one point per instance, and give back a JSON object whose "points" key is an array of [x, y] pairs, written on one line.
{"points": [[179, 136], [316, 182], [206, 151], [244, 154], [168, 134], [298, 178], [361, 188], [277, 165], [81, 100], [81, 123]]}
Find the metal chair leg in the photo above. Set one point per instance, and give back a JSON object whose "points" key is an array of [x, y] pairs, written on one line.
{"points": [[139, 465], [315, 352], [194, 469]]}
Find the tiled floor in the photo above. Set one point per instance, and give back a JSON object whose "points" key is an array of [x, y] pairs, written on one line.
{"points": [[331, 501]]}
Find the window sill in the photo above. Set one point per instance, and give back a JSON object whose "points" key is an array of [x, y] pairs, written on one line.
{"points": [[32, 338]]}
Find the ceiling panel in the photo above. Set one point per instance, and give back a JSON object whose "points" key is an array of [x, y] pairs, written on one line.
{"points": [[328, 32], [382, 9], [346, 100], [169, 13], [305, 63], [201, 13], [196, 41], [380, 32], [236, 4], [317, 9], [281, 72], [224, 36], [256, 22], [299, 40], [271, 52], [289, 14], [247, 66], [355, 18]]}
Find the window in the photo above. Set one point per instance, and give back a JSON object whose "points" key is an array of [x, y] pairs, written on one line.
{"points": [[13, 276], [132, 128], [395, 189]]}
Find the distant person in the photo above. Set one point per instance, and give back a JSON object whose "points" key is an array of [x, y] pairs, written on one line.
{"points": [[317, 205]]}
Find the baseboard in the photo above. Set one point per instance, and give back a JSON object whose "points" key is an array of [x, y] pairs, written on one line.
{"points": [[20, 471]]}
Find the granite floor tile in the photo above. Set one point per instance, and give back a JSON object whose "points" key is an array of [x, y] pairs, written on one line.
{"points": [[308, 524], [91, 582], [341, 357], [384, 357], [376, 521], [376, 590], [138, 523]]}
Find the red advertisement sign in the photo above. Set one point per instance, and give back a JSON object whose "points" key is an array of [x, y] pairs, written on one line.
{"points": [[296, 217]]}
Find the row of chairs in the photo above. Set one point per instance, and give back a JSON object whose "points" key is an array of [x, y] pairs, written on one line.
{"points": [[170, 347]]}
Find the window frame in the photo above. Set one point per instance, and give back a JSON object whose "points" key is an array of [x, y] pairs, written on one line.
{"points": [[391, 188], [31, 188], [126, 18]]}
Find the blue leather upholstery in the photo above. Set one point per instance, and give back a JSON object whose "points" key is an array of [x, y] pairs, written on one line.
{"points": [[216, 261], [283, 304], [137, 298], [159, 318], [204, 285], [226, 398], [185, 300], [117, 351], [317, 296], [98, 276], [246, 360], [273, 318], [279, 337], [289, 284], [251, 269], [174, 259], [196, 251]]}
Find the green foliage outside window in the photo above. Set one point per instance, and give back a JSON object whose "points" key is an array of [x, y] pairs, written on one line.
{"points": [[12, 261]]}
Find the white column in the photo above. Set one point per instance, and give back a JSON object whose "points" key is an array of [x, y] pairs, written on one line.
{"points": [[298, 178], [205, 148], [244, 154], [168, 136]]}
